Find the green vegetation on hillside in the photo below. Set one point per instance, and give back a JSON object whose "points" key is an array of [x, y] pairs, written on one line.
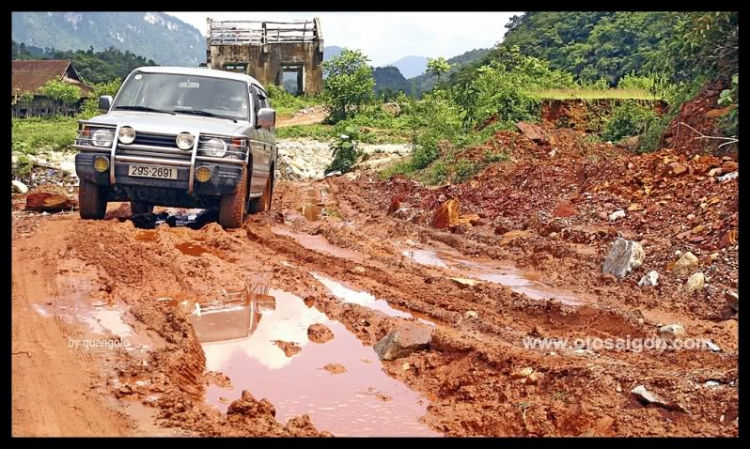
{"points": [[93, 66]]}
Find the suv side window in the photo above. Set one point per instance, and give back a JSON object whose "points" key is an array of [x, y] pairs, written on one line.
{"points": [[262, 97]]}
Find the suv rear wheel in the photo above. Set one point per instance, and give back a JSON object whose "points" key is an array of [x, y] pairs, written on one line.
{"points": [[92, 201], [263, 202], [232, 208]]}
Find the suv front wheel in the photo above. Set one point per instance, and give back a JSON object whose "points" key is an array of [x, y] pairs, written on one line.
{"points": [[232, 208], [92, 201]]}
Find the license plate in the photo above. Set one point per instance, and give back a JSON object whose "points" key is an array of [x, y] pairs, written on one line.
{"points": [[152, 171]]}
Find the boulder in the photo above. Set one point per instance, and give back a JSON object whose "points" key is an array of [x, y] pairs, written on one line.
{"points": [[404, 340], [446, 215], [531, 132], [49, 202], [624, 256]]}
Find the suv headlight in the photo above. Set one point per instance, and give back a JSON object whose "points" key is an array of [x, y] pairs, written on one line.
{"points": [[215, 148], [185, 141], [103, 137], [127, 135]]}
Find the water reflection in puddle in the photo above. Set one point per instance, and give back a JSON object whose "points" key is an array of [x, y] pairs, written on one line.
{"points": [[494, 272], [240, 342], [365, 299], [319, 243]]}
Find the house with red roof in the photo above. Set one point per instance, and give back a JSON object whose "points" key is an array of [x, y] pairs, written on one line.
{"points": [[28, 77]]}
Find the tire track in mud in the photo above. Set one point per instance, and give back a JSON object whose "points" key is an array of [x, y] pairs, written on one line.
{"points": [[467, 375]]}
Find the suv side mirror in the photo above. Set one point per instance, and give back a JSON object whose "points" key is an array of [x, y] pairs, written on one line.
{"points": [[105, 102], [266, 118]]}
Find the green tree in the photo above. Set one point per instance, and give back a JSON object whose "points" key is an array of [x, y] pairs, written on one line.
{"points": [[438, 67], [61, 92], [349, 82], [90, 107]]}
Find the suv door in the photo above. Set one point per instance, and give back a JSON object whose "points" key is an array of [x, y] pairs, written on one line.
{"points": [[262, 144]]}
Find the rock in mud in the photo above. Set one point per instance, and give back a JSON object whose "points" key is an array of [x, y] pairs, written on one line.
{"points": [[335, 368], [564, 210], [624, 256], [616, 215], [650, 279], [685, 265], [646, 397], [471, 315], [695, 282], [671, 331], [464, 282], [531, 132], [18, 187], [290, 348], [403, 340], [446, 215], [319, 333], [49, 202]]}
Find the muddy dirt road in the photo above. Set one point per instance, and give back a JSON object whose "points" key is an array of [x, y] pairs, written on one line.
{"points": [[269, 330]]}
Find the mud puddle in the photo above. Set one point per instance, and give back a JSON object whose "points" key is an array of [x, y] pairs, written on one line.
{"points": [[495, 272], [318, 243], [365, 299], [241, 340]]}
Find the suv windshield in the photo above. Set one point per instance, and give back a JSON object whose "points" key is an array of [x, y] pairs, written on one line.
{"points": [[185, 94]]}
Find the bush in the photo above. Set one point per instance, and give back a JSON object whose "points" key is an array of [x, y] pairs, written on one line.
{"points": [[345, 151], [628, 119]]}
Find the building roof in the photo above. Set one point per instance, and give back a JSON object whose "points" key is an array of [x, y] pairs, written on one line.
{"points": [[29, 76], [201, 72]]}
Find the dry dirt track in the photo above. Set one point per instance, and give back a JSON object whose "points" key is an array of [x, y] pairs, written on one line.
{"points": [[331, 257]]}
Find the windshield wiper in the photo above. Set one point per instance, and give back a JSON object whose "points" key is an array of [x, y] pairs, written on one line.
{"points": [[204, 113], [144, 108]]}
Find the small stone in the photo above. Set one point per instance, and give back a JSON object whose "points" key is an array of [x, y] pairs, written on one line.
{"points": [[564, 210], [711, 346], [403, 340], [728, 176], [446, 215], [522, 373], [358, 270], [732, 299], [335, 368], [19, 187], [646, 397], [698, 229], [471, 315], [463, 282], [678, 169], [406, 367], [319, 333], [671, 331], [624, 256], [533, 378], [616, 214], [650, 279], [695, 282], [686, 264]]}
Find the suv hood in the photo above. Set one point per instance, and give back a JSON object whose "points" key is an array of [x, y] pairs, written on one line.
{"points": [[172, 124]]}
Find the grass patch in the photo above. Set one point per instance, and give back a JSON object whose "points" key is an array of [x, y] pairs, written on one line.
{"points": [[596, 94], [37, 135]]}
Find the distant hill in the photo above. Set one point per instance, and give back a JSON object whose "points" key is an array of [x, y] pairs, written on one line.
{"points": [[389, 80], [331, 51], [425, 82], [153, 35], [410, 66]]}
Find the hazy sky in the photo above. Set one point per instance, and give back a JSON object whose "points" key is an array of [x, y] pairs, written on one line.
{"points": [[388, 36]]}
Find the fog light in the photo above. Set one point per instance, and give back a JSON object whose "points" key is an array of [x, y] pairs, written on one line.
{"points": [[203, 174], [101, 164]]}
